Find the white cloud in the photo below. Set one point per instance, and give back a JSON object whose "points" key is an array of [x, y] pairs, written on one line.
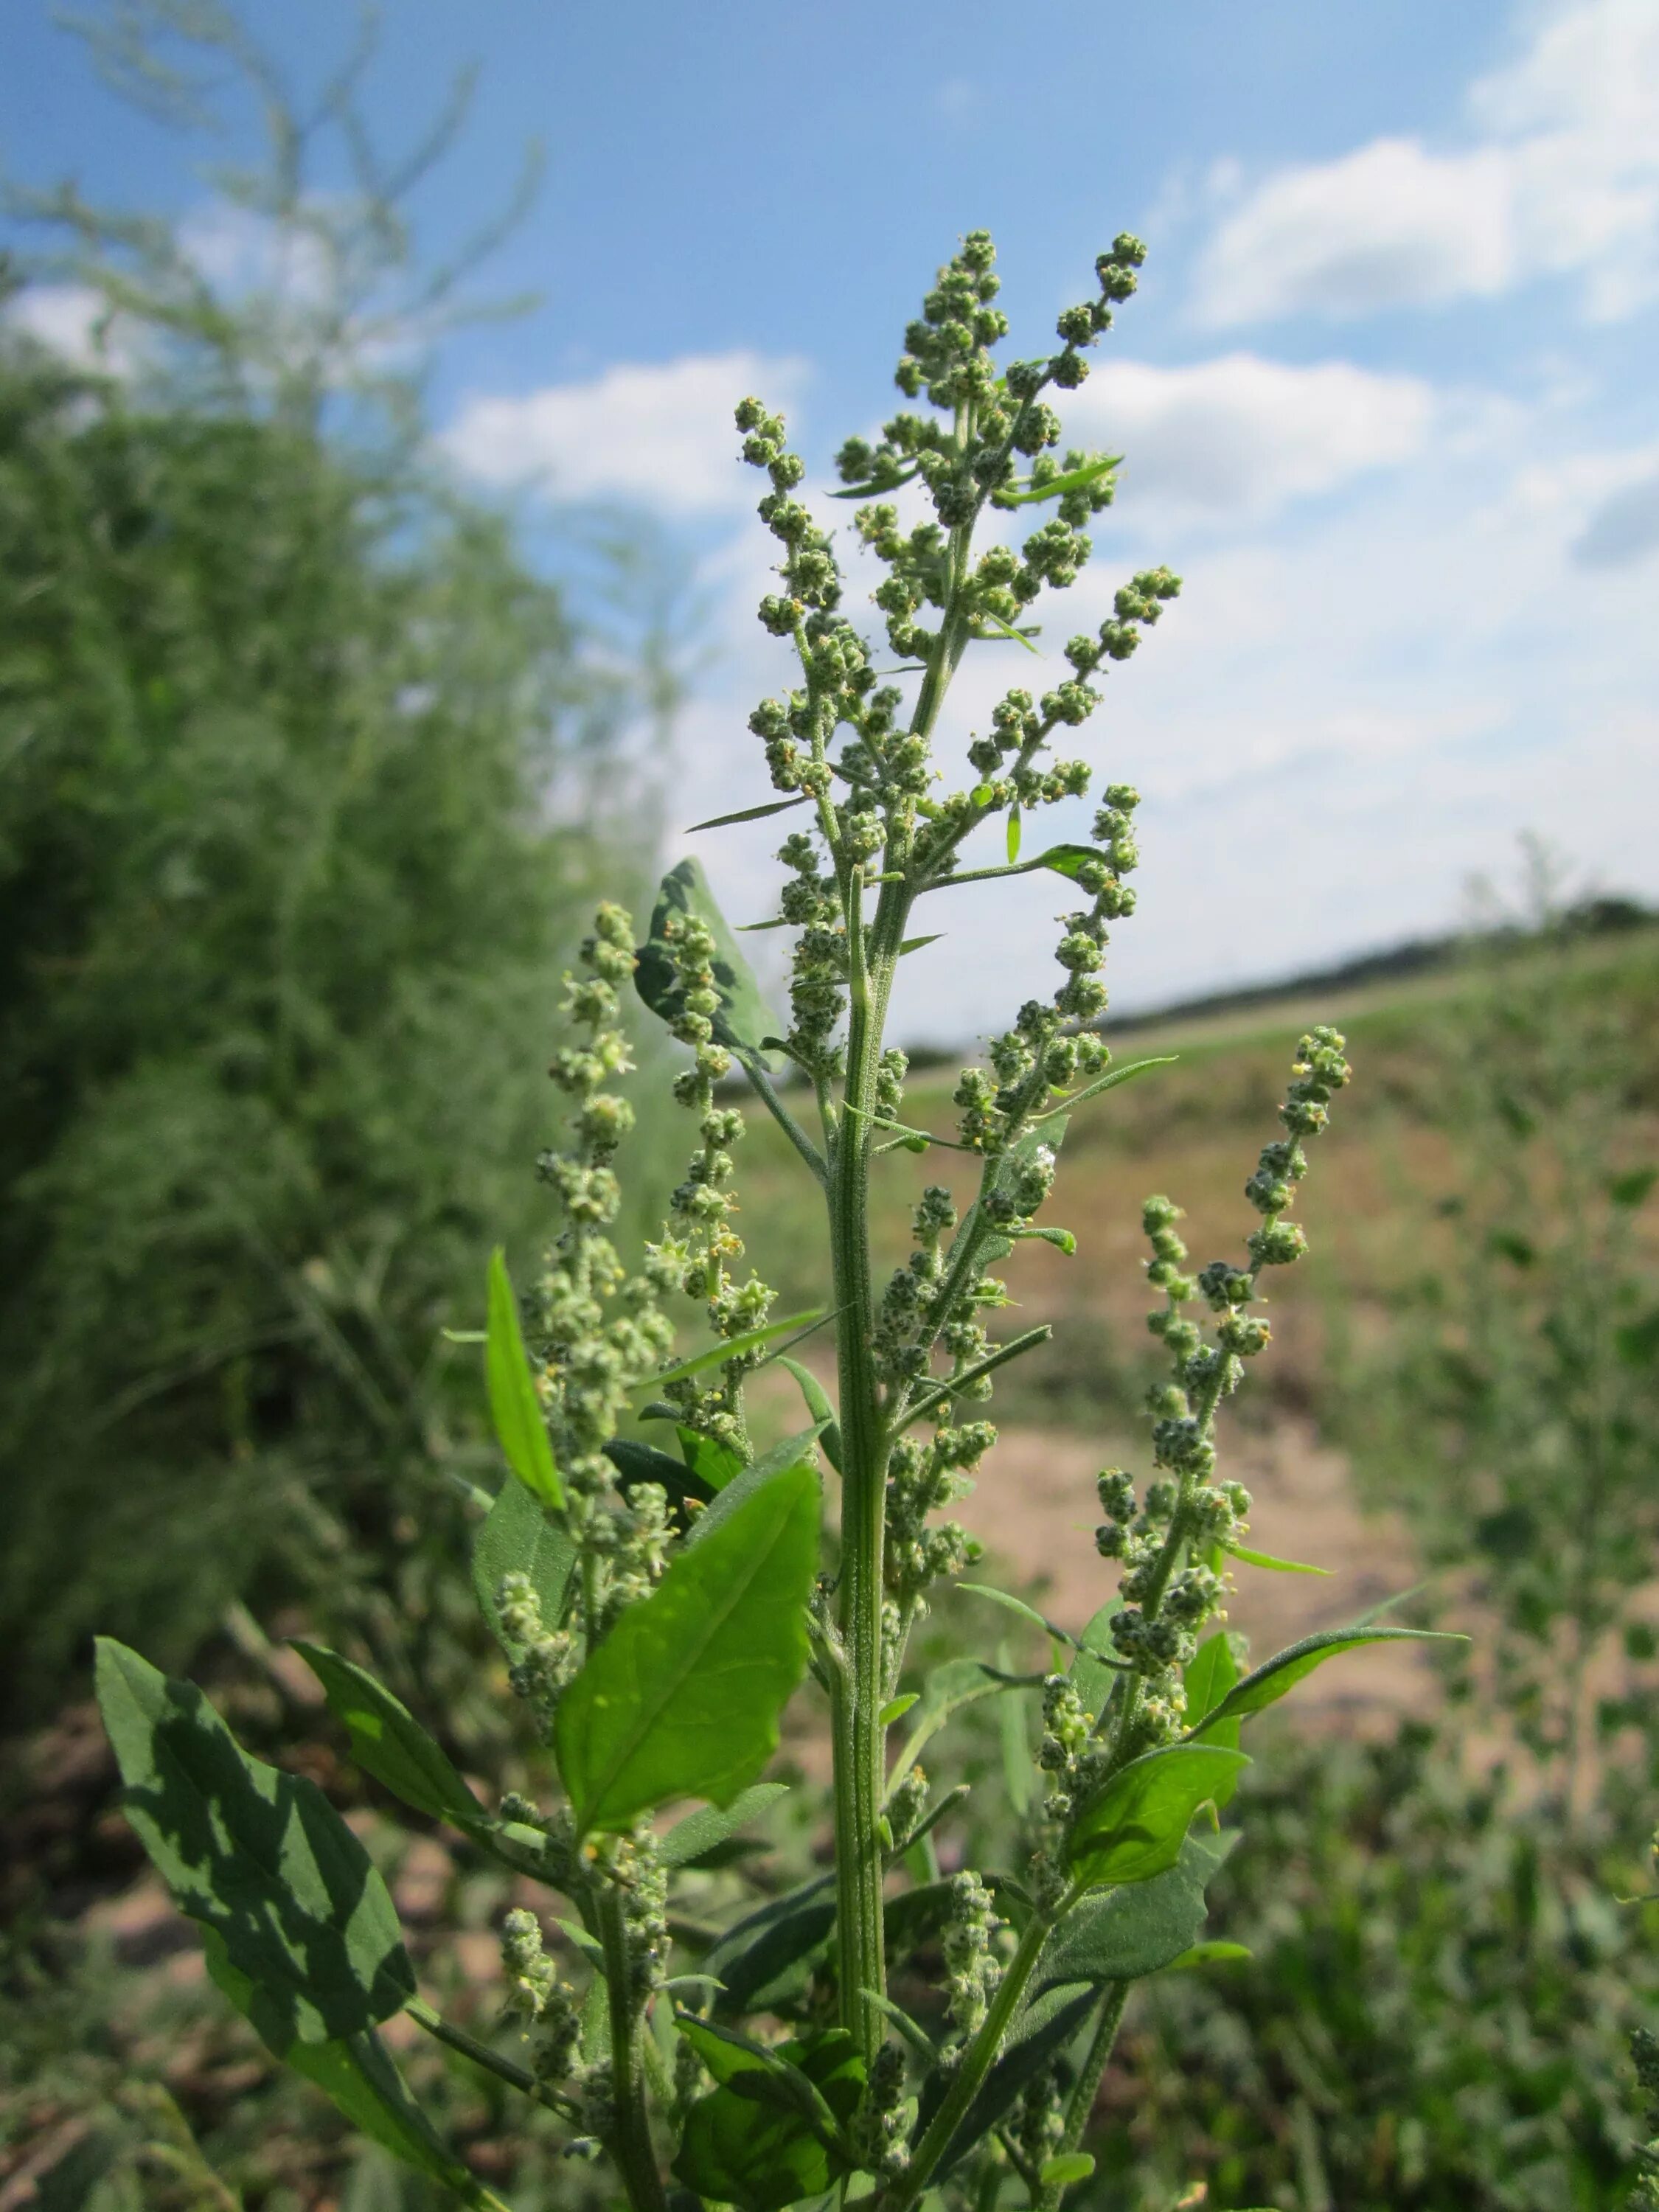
{"points": [[1560, 175], [661, 434], [1240, 433], [74, 321]]}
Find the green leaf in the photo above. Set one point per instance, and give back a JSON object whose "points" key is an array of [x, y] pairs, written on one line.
{"points": [[819, 1405], [519, 1539], [897, 1708], [794, 1452], [767, 1945], [1274, 1566], [1061, 1239], [688, 1839], [1208, 1678], [1073, 480], [1108, 1082], [1070, 2165], [358, 2074], [760, 2155], [1001, 629], [1135, 1824], [1207, 1955], [388, 1742], [637, 1462], [1066, 859], [258, 1856], [729, 1348], [513, 1404], [681, 1699], [742, 1018], [1286, 1668], [1018, 1605], [713, 1464], [747, 814], [1014, 819], [1092, 1671], [1631, 1189], [916, 944], [957, 1683], [1121, 1934], [1037, 2038]]}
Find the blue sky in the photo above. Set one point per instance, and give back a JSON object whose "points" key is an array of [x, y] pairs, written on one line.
{"points": [[1387, 396]]}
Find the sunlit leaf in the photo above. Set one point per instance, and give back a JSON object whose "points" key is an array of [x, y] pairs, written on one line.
{"points": [[1286, 1668], [388, 1742], [1133, 1825], [513, 1405]]}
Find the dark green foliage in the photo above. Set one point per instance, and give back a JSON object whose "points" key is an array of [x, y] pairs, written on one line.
{"points": [[280, 915]]}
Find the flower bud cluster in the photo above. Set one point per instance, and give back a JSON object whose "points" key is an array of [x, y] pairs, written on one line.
{"points": [[634, 1864], [880, 2124], [906, 1806], [924, 1478], [1040, 2125], [536, 1996], [1066, 1753], [972, 1969], [699, 1240], [596, 1329]]}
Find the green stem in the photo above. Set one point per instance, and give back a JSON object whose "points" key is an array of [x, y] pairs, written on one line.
{"points": [[857, 1693], [630, 2142], [1087, 2088], [977, 2063], [765, 1090], [505, 2069]]}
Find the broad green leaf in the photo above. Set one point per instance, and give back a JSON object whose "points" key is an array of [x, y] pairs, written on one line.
{"points": [[747, 814], [1091, 1671], [258, 1856], [688, 1839], [761, 2156], [767, 1944], [1037, 2038], [1208, 1678], [1069, 2167], [819, 1405], [637, 1462], [1136, 1823], [358, 2075], [957, 1683], [388, 1742], [1286, 1668], [1120, 1934], [742, 1018], [1274, 1566], [717, 1354], [711, 1463], [1077, 479], [681, 1699], [795, 1451], [519, 1539], [513, 1404]]}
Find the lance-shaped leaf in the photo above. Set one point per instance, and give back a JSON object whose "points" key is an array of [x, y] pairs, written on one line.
{"points": [[1078, 479], [260, 1857], [748, 814], [819, 1405], [712, 1464], [1095, 1665], [1208, 1679], [742, 1018], [1250, 1559], [517, 1538], [765, 1946], [637, 1463], [513, 1405], [729, 1347], [357, 2073], [1281, 1674], [1037, 2038], [388, 1742], [957, 1683], [1136, 1823], [703, 1830], [1120, 1934], [681, 1699]]}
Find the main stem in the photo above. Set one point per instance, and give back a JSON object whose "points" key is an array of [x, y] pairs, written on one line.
{"points": [[857, 1692], [630, 2144]]}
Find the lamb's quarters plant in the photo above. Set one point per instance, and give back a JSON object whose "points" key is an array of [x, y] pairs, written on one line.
{"points": [[658, 1609]]}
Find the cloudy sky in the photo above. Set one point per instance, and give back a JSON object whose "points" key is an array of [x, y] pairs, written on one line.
{"points": [[1387, 395]]}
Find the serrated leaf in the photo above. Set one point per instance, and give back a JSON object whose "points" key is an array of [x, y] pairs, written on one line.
{"points": [[359, 2075], [1281, 1674], [681, 1699], [688, 1839], [729, 1348], [388, 1742], [1274, 1566], [517, 1538], [742, 1018], [513, 1405], [819, 1405], [260, 1857], [747, 814], [1121, 1934], [1133, 1825]]}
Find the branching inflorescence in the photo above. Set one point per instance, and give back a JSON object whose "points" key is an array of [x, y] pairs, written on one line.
{"points": [[657, 1609]]}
